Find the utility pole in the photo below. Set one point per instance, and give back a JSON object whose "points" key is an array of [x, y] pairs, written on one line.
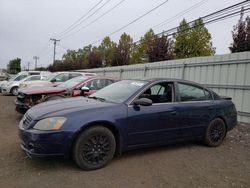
{"points": [[54, 57], [28, 66], [35, 58]]}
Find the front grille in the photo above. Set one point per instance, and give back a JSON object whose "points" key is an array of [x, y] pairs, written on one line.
{"points": [[26, 122]]}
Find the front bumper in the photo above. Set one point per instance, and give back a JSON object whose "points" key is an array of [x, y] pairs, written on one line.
{"points": [[5, 89], [37, 143], [21, 107]]}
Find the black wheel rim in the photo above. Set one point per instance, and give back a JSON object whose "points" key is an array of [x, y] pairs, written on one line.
{"points": [[96, 149], [217, 132]]}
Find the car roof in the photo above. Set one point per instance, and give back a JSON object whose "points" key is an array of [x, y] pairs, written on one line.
{"points": [[167, 79]]}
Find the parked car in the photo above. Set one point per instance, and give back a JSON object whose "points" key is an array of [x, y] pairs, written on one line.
{"points": [[55, 79], [126, 115], [5, 81], [74, 87], [12, 86]]}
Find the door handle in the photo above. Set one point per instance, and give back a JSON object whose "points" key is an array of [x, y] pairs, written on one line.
{"points": [[173, 113]]}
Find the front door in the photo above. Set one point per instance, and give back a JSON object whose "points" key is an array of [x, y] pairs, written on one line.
{"points": [[156, 123]]}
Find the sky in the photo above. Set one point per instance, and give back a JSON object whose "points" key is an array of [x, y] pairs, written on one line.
{"points": [[27, 25]]}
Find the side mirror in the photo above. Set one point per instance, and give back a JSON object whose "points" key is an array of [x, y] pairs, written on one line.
{"points": [[143, 102], [53, 80], [83, 90]]}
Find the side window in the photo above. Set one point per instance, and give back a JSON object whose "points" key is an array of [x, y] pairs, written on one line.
{"points": [[208, 95], [160, 93], [20, 77], [92, 85], [157, 89], [35, 78], [192, 93], [62, 77], [108, 82]]}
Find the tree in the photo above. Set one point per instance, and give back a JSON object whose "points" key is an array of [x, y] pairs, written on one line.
{"points": [[241, 36], [160, 48], [95, 58], [193, 41], [139, 52], [107, 48], [14, 66], [122, 51]]}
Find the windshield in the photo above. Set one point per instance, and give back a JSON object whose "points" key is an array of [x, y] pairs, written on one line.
{"points": [[50, 76], [120, 91], [72, 82]]}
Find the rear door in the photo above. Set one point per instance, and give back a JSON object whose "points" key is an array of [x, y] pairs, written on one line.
{"points": [[196, 109]]}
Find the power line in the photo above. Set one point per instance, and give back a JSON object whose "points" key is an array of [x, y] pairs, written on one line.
{"points": [[135, 20], [180, 14], [112, 8], [85, 19], [211, 18], [79, 20]]}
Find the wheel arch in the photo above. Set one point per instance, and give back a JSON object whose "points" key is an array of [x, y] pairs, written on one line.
{"points": [[105, 124], [223, 119]]}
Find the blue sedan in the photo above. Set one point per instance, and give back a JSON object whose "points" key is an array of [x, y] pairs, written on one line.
{"points": [[129, 114]]}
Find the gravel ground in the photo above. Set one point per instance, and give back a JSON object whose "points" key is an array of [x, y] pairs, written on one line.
{"points": [[181, 165]]}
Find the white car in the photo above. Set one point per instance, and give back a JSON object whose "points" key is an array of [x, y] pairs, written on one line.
{"points": [[54, 79], [12, 85]]}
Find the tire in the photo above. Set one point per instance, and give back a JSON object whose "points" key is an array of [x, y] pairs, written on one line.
{"points": [[94, 148], [215, 133], [14, 91], [53, 98]]}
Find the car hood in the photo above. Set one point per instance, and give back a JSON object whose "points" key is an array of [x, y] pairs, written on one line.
{"points": [[42, 90], [37, 83], [63, 107], [3, 82]]}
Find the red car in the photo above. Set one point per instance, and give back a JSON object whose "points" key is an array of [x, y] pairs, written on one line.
{"points": [[79, 86]]}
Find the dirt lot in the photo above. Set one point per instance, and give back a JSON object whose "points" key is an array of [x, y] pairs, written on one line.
{"points": [[182, 165]]}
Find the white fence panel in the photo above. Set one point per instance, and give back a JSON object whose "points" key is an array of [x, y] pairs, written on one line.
{"points": [[228, 75]]}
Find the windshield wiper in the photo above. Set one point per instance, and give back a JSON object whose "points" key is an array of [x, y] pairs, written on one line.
{"points": [[98, 98]]}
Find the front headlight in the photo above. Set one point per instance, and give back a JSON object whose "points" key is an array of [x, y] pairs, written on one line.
{"points": [[23, 85], [49, 124]]}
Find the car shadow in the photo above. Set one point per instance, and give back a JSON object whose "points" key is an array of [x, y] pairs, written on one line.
{"points": [[160, 148], [68, 164]]}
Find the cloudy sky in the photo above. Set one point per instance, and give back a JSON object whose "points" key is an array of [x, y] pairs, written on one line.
{"points": [[27, 25]]}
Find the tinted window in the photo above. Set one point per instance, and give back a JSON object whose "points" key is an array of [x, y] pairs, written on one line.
{"points": [[192, 93]]}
